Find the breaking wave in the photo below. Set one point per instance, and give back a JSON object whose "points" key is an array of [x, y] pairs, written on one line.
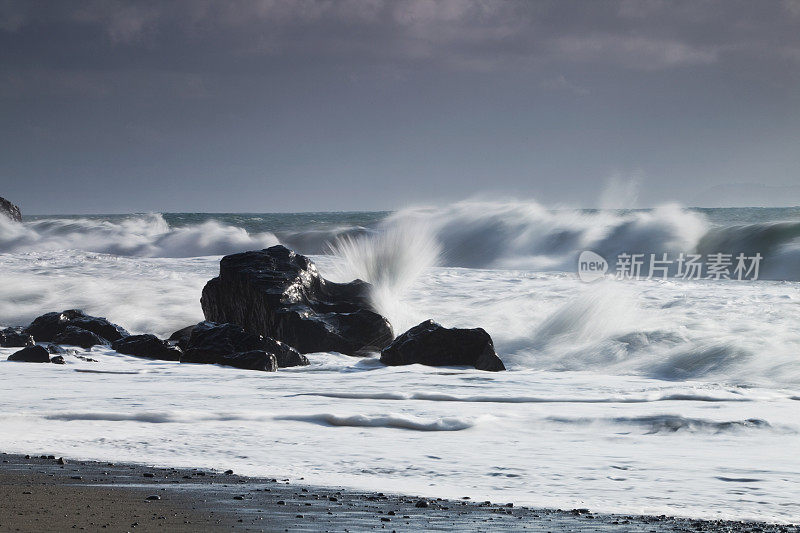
{"points": [[139, 235], [470, 234], [526, 235]]}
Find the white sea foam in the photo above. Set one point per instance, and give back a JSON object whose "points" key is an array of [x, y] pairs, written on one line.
{"points": [[650, 396], [441, 397], [668, 423], [138, 235], [395, 421]]}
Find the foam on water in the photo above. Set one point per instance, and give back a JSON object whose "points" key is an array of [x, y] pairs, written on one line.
{"points": [[630, 396]]}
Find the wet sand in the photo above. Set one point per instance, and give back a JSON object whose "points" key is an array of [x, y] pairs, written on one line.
{"points": [[38, 493]]}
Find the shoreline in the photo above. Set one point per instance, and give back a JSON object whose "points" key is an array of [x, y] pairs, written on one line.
{"points": [[46, 493]]}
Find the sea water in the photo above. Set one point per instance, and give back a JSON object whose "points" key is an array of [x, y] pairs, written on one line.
{"points": [[635, 396]]}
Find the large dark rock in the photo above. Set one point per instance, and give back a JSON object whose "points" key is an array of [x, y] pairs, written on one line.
{"points": [[75, 336], [31, 354], [278, 293], [148, 346], [431, 344], [211, 343], [13, 338], [46, 327], [10, 210]]}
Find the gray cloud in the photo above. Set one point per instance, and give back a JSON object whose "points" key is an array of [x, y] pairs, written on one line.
{"points": [[642, 34], [526, 97]]}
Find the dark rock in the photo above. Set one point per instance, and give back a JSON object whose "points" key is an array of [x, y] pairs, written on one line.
{"points": [[148, 346], [210, 341], [46, 327], [421, 504], [154, 497], [278, 293], [14, 338], [58, 360], [61, 461], [10, 210], [31, 354], [431, 344], [252, 360], [229, 472], [181, 337], [75, 336]]}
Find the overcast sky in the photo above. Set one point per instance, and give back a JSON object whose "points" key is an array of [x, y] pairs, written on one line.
{"points": [[270, 105]]}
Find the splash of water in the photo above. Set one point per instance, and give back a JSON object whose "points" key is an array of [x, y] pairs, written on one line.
{"points": [[392, 260]]}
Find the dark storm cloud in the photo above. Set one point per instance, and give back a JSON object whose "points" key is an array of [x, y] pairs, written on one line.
{"points": [[119, 70], [208, 37]]}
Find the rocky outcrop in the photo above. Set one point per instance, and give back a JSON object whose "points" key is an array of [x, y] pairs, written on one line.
{"points": [[278, 293], [75, 336], [31, 354], [431, 344], [48, 326], [10, 210], [148, 346], [213, 343], [14, 338]]}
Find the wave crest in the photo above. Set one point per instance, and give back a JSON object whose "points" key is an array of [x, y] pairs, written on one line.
{"points": [[137, 235]]}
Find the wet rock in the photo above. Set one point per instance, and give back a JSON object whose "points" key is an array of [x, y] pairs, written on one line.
{"points": [[10, 210], [148, 346], [278, 293], [209, 342], [15, 338], [431, 344], [75, 336], [46, 327], [181, 337], [55, 349], [58, 360], [31, 354], [421, 504], [252, 360]]}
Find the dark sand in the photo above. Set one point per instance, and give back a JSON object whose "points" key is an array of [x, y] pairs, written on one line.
{"points": [[38, 494]]}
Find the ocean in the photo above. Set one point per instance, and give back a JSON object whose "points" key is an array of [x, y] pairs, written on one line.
{"points": [[660, 394]]}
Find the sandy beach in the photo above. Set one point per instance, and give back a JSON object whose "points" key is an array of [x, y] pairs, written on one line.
{"points": [[39, 493]]}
